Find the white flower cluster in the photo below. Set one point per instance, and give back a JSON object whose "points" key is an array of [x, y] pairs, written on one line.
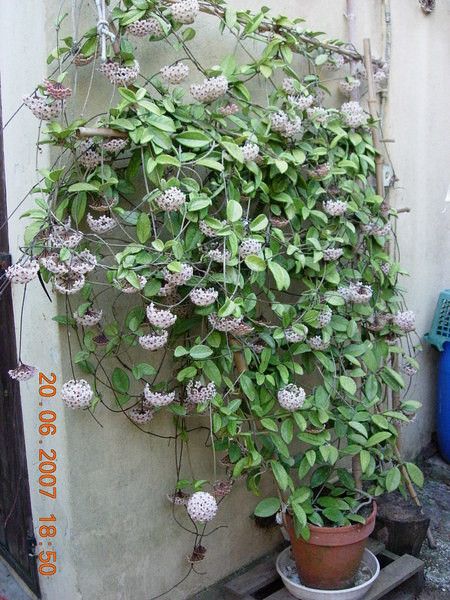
{"points": [[291, 397], [62, 236], [321, 170], [335, 208], [377, 322], [22, 372], [57, 90], [348, 85], [23, 272], [317, 343], [281, 123], [249, 247], [154, 341], [203, 297], [83, 263], [377, 230], [90, 318], [250, 151], [171, 200], [197, 393], [293, 336], [405, 320], [288, 85], [385, 268], [175, 74], [115, 145], [185, 11], [42, 108], [89, 158], [209, 231], [202, 507], [225, 324], [120, 74], [229, 109], [144, 27], [331, 254], [301, 102], [409, 370], [319, 115], [140, 415], [157, 399], [353, 115], [69, 283], [358, 293], [324, 317], [77, 393], [127, 288], [160, 318], [210, 89], [219, 255], [335, 62], [102, 224], [180, 278]]}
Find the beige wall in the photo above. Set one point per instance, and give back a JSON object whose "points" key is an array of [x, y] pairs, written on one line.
{"points": [[117, 540]]}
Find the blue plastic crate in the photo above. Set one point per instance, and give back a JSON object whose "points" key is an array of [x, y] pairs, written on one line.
{"points": [[440, 329]]}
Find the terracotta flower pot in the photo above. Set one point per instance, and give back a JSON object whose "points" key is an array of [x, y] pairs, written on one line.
{"points": [[330, 559]]}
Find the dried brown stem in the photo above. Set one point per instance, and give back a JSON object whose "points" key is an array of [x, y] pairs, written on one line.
{"points": [[106, 132]]}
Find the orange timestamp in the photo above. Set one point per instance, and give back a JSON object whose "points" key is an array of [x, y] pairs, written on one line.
{"points": [[47, 476]]}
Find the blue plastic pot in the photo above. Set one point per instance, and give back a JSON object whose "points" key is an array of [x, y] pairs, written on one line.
{"points": [[443, 404]]}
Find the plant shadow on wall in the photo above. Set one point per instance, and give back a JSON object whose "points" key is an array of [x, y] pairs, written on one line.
{"points": [[254, 261]]}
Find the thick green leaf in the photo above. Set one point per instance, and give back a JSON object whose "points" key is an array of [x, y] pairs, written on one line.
{"points": [[415, 473], [200, 352], [143, 227], [393, 479], [267, 507], [120, 381]]}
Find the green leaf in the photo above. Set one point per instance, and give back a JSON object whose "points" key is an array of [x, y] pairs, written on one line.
{"points": [[187, 373], [234, 211], [287, 431], [259, 224], [269, 424], [120, 381], [210, 164], [200, 352], [280, 474], [393, 479], [415, 473], [255, 263], [234, 151], [267, 507], [347, 384], [193, 139], [377, 438], [83, 187], [281, 276], [143, 227], [143, 370]]}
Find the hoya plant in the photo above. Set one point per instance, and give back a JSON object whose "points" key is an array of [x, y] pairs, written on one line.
{"points": [[221, 256]]}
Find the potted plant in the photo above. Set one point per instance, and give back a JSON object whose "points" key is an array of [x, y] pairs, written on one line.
{"points": [[253, 263]]}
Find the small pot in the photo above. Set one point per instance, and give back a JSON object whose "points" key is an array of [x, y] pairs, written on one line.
{"points": [[330, 559]]}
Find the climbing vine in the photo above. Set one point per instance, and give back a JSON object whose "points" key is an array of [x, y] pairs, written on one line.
{"points": [[221, 255]]}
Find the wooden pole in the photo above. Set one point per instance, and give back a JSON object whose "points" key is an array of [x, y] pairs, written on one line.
{"points": [[373, 110], [106, 132]]}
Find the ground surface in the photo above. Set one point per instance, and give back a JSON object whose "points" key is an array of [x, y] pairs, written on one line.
{"points": [[436, 499]]}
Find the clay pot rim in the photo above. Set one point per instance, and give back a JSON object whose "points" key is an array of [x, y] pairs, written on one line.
{"points": [[338, 536]]}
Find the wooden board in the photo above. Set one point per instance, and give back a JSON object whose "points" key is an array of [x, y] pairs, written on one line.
{"points": [[263, 582]]}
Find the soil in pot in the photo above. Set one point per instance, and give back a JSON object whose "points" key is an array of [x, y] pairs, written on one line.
{"points": [[405, 525], [330, 559]]}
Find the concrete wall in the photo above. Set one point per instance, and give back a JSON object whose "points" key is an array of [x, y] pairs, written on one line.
{"points": [[116, 539]]}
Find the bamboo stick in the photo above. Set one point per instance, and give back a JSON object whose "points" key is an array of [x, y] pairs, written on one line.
{"points": [[373, 110], [106, 132]]}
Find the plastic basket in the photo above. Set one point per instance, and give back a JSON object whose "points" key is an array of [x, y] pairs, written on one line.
{"points": [[440, 329]]}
